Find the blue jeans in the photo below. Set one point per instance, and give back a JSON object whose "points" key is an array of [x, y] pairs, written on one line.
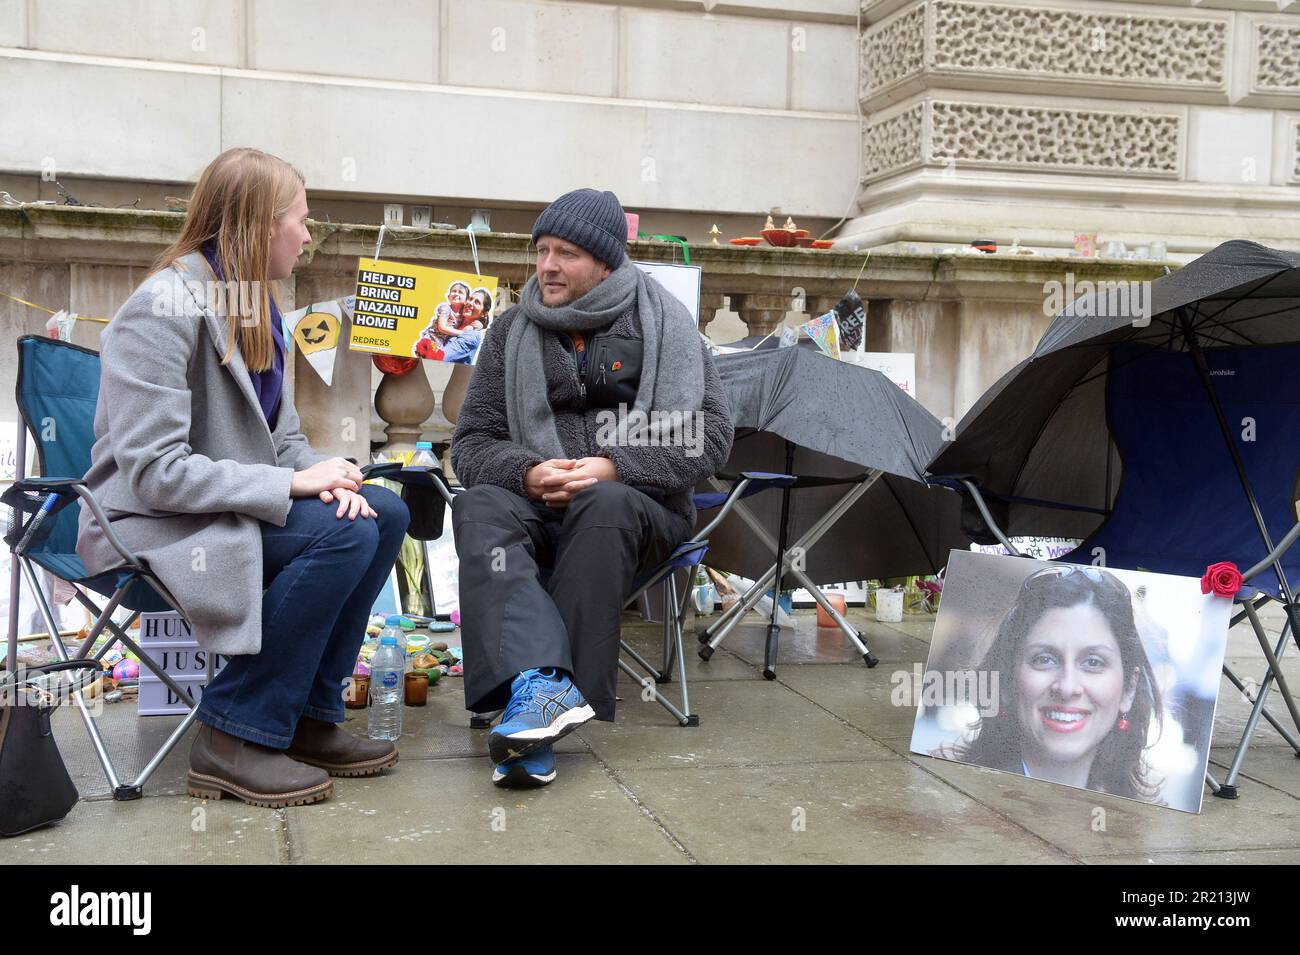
{"points": [[322, 575]]}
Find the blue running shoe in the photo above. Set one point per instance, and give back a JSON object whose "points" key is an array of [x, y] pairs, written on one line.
{"points": [[526, 772], [544, 706]]}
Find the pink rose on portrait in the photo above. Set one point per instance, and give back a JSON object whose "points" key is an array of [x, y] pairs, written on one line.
{"points": [[1222, 579]]}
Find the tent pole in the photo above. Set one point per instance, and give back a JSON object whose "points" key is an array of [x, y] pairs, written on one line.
{"points": [[1202, 371], [1229, 790], [1110, 454], [773, 628]]}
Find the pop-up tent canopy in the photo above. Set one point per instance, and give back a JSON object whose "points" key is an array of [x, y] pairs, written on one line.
{"points": [[1159, 424]]}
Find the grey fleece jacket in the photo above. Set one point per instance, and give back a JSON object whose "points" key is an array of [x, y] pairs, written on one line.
{"points": [[482, 452]]}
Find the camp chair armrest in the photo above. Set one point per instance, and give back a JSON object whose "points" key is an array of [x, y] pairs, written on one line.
{"points": [[751, 482], [46, 484], [380, 469], [396, 471], [1274, 555], [770, 477], [992, 525], [79, 487], [88, 499], [446, 491], [762, 480]]}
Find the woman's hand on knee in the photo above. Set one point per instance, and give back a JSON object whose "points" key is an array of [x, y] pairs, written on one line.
{"points": [[327, 475], [351, 503]]}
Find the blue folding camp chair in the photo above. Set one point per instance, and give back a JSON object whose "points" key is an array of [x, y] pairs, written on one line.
{"points": [[1181, 506], [686, 556], [58, 386]]}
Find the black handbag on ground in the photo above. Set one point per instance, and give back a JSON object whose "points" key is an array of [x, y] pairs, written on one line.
{"points": [[35, 788]]}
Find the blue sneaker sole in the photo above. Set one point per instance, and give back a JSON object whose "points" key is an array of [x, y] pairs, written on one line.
{"points": [[514, 776], [503, 748]]}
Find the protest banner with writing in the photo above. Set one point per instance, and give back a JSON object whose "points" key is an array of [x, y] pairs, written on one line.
{"points": [[852, 316], [415, 310]]}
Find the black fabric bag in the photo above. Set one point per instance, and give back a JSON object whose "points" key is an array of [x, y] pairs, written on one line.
{"points": [[425, 502], [420, 494], [35, 788]]}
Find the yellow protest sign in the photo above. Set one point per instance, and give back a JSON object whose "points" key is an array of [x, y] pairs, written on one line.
{"points": [[418, 311]]}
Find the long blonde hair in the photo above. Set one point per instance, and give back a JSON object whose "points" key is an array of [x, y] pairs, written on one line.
{"points": [[234, 205]]}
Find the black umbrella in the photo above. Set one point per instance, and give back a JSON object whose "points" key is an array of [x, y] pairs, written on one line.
{"points": [[1130, 382], [834, 425], [1040, 433]]}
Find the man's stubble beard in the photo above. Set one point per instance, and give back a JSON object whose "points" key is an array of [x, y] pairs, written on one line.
{"points": [[572, 295]]}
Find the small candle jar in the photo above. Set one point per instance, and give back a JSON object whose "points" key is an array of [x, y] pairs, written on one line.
{"points": [[417, 689], [841, 607], [356, 695]]}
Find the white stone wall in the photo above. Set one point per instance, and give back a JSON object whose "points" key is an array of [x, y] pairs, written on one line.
{"points": [[1036, 119], [742, 109]]}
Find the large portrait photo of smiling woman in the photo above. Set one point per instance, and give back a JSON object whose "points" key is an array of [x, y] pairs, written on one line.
{"points": [[1099, 679]]}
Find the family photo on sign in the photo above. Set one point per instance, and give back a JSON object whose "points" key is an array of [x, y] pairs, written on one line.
{"points": [[458, 325]]}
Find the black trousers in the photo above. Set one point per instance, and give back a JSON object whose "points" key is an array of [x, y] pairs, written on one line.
{"points": [[545, 587]]}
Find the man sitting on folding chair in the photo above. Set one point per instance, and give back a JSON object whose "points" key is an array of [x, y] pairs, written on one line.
{"points": [[204, 475], [593, 411]]}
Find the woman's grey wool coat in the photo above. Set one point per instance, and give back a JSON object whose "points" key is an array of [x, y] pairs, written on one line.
{"points": [[184, 463]]}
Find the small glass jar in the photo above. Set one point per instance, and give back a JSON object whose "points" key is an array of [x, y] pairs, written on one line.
{"points": [[417, 688], [356, 695]]}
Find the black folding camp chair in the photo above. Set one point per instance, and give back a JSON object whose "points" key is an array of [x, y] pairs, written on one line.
{"points": [[687, 557]]}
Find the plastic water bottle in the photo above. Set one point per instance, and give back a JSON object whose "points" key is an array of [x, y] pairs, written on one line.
{"points": [[393, 628], [704, 594], [387, 673], [423, 457]]}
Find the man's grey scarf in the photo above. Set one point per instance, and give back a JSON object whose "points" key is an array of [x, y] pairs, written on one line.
{"points": [[672, 363]]}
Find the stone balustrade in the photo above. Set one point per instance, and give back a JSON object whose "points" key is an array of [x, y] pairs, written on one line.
{"points": [[967, 317]]}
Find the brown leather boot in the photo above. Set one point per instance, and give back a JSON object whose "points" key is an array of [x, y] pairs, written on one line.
{"points": [[224, 765], [338, 752]]}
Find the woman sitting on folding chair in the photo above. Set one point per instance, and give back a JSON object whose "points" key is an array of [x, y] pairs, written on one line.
{"points": [[274, 551]]}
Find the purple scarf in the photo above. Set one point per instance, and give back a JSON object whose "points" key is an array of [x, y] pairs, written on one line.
{"points": [[269, 384]]}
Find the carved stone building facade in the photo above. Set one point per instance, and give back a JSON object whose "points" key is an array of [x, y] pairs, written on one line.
{"points": [[905, 127], [1034, 121]]}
